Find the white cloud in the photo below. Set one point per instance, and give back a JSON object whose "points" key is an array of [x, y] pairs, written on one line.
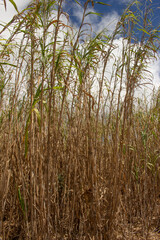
{"points": [[155, 70], [125, 1], [77, 12], [107, 21], [149, 80], [152, 67], [7, 15]]}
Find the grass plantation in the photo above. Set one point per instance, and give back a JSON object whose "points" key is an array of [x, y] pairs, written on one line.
{"points": [[79, 151]]}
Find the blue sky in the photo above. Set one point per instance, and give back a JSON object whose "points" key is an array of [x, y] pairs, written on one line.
{"points": [[114, 11], [120, 5], [110, 14]]}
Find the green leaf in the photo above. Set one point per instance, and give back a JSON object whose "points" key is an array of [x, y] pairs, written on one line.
{"points": [[58, 88], [143, 30], [58, 59], [2, 85], [38, 116], [21, 200], [98, 14], [55, 88], [36, 97], [102, 3], [25, 31], [3, 63], [14, 5], [78, 3]]}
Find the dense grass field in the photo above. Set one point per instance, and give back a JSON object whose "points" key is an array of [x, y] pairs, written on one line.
{"points": [[79, 151]]}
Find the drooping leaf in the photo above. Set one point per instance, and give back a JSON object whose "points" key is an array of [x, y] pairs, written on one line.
{"points": [[78, 3], [9, 64], [102, 3], [38, 116], [98, 14], [49, 24], [14, 5], [143, 30], [64, 25]]}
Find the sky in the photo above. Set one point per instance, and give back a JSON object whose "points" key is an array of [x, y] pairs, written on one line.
{"points": [[109, 18], [109, 13]]}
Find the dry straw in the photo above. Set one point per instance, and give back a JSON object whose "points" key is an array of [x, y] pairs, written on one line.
{"points": [[76, 165]]}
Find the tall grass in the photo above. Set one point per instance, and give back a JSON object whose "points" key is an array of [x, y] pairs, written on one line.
{"points": [[79, 152]]}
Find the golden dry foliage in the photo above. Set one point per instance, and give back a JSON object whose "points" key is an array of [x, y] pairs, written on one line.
{"points": [[79, 153]]}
